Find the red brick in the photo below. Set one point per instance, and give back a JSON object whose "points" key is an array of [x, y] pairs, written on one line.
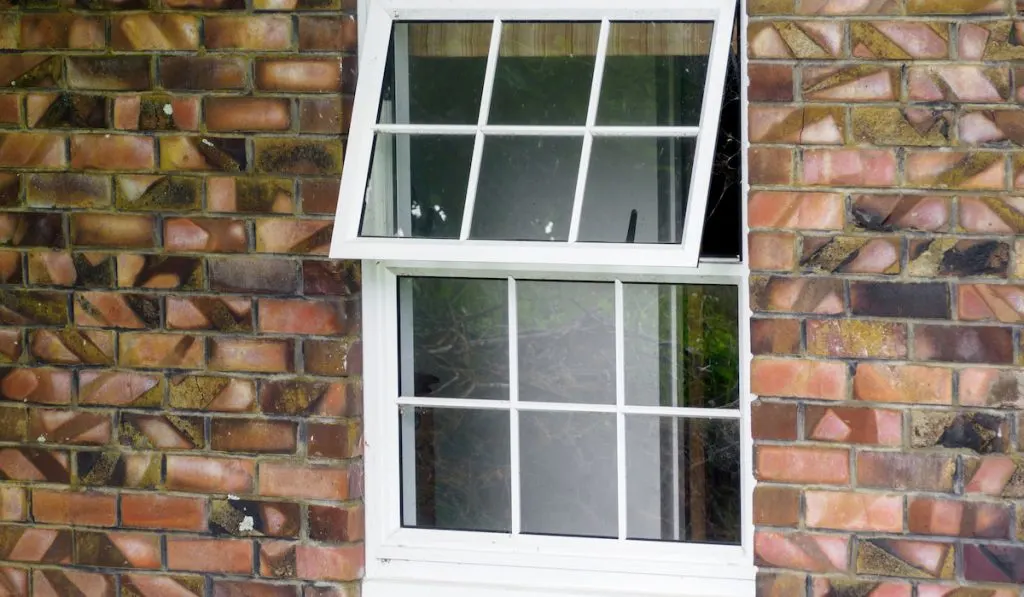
{"points": [[300, 74], [770, 165], [328, 115], [773, 420], [32, 150], [228, 588], [791, 378], [210, 475], [772, 251], [776, 506], [802, 551], [330, 34], [329, 563], [253, 435], [336, 524], [260, 356], [80, 509], [329, 440], [70, 427], [319, 196], [146, 350], [950, 518], [62, 31], [44, 386], [226, 556], [248, 33], [286, 316], [112, 152], [248, 114], [13, 504], [207, 235], [288, 479], [849, 167], [117, 550], [308, 237], [163, 512], [903, 383], [51, 583], [155, 31], [790, 464], [107, 230], [849, 511], [868, 426]]}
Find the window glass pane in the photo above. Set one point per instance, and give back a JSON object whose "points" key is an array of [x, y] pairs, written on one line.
{"points": [[683, 479], [566, 342], [462, 469], [526, 188], [454, 337], [417, 185], [637, 189], [439, 77], [723, 227], [544, 73], [681, 345], [655, 74], [568, 480]]}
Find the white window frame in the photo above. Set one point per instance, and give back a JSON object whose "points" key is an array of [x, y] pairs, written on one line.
{"points": [[380, 15], [432, 563]]}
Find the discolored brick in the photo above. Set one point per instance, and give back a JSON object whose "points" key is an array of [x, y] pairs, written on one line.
{"points": [[112, 152], [166, 31], [330, 115], [866, 426], [902, 383], [918, 301], [122, 73], [980, 432], [329, 34], [299, 397], [252, 435], [264, 275], [164, 193], [319, 196], [32, 150], [66, 110], [259, 356], [277, 156], [199, 73], [248, 33], [929, 516], [770, 82], [856, 339], [208, 235], [300, 74], [963, 344], [878, 212], [62, 31], [904, 471], [68, 190], [202, 153], [121, 231]]}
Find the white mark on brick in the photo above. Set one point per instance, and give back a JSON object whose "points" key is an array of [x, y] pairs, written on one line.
{"points": [[206, 142], [247, 524], [232, 496], [41, 439], [168, 109]]}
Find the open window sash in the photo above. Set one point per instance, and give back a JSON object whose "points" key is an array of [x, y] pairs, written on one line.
{"points": [[391, 177]]}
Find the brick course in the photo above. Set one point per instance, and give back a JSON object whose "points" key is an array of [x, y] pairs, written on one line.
{"points": [[162, 431], [885, 160]]}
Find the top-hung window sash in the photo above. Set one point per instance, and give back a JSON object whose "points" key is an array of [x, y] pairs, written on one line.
{"points": [[349, 244]]}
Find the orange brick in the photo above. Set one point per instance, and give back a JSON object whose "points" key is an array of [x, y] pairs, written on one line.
{"points": [[85, 509], [227, 556], [163, 512], [849, 511], [789, 464]]}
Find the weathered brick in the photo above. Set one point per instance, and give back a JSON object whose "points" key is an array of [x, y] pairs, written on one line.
{"points": [[327, 115], [902, 383], [74, 508], [849, 167], [62, 31], [218, 154], [905, 471], [113, 231], [856, 339], [851, 83], [918, 301], [770, 82], [851, 511], [802, 551], [248, 33], [163, 512], [253, 435], [329, 34], [227, 556], [32, 150], [883, 213], [775, 505], [166, 31], [286, 479], [929, 516], [814, 40], [199, 73], [210, 475], [797, 295], [265, 275], [958, 83], [121, 73], [899, 40], [898, 557], [260, 356], [963, 344]]}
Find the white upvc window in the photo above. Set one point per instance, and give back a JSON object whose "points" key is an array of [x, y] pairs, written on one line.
{"points": [[546, 199]]}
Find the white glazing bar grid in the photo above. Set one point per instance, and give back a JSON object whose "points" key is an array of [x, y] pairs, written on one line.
{"points": [[626, 409], [537, 130], [620, 403], [588, 138], [478, 148], [513, 394]]}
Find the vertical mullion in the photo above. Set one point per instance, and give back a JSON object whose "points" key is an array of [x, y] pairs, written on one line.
{"points": [[407, 414], [588, 138], [403, 151], [620, 402], [513, 396], [478, 148]]}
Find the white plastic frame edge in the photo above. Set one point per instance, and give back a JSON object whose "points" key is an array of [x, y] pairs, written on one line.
{"points": [[490, 565], [346, 243]]}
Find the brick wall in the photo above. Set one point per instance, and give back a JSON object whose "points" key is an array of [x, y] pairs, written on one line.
{"points": [[178, 408], [889, 292]]}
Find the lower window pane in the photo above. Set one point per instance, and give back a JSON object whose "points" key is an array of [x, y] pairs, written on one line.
{"points": [[568, 478], [459, 478], [683, 479]]}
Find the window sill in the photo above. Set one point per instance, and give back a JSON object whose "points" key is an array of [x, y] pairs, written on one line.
{"points": [[394, 578]]}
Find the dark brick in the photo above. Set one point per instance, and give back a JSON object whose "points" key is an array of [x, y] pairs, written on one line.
{"points": [[263, 275], [963, 344], [202, 73], [122, 73], [881, 299]]}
